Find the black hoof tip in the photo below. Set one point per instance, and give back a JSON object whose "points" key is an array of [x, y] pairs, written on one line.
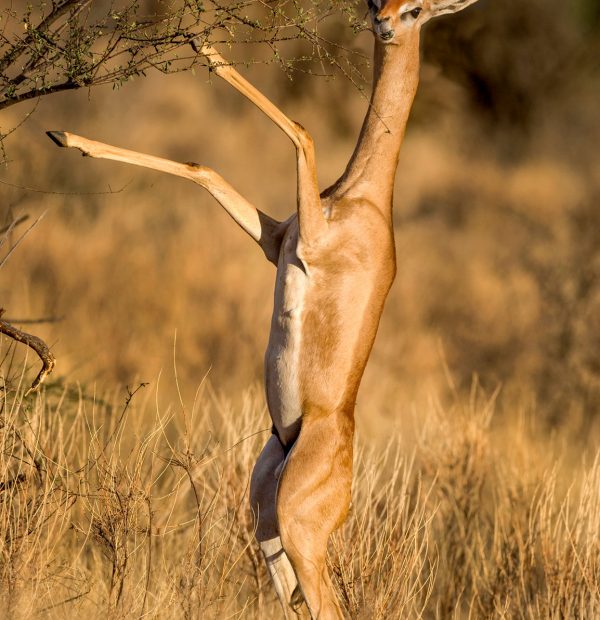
{"points": [[58, 137]]}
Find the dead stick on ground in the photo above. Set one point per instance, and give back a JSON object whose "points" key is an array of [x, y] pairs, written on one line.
{"points": [[35, 343]]}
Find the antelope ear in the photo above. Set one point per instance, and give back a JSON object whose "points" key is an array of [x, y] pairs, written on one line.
{"points": [[443, 7]]}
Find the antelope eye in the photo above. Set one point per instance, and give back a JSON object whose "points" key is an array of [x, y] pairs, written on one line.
{"points": [[416, 12]]}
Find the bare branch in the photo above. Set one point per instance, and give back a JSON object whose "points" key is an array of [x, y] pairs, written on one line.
{"points": [[34, 343]]}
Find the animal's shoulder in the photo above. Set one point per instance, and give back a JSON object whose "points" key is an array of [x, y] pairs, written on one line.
{"points": [[362, 221]]}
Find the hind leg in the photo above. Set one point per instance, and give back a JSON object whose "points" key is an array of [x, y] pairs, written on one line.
{"points": [[263, 491], [312, 501]]}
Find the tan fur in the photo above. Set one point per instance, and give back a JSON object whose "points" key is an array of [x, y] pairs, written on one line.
{"points": [[349, 269], [335, 264]]}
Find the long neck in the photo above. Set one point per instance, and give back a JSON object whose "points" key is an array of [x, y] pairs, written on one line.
{"points": [[371, 171]]}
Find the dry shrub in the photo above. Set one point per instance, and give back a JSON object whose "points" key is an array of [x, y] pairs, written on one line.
{"points": [[380, 557], [454, 452], [104, 513], [510, 540], [121, 510], [33, 503]]}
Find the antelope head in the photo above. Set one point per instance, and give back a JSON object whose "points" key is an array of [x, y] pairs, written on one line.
{"points": [[392, 18]]}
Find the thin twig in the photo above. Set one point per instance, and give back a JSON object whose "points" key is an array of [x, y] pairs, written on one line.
{"points": [[20, 239], [49, 319], [130, 395], [37, 190]]}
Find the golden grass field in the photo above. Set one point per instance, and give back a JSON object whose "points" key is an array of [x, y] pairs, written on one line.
{"points": [[477, 480]]}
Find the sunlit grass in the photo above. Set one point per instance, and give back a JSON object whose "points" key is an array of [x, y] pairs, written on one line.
{"points": [[120, 509]]}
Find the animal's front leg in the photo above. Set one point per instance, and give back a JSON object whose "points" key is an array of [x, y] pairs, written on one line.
{"points": [[310, 212], [266, 231]]}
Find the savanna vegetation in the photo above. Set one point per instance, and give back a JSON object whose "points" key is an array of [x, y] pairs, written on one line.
{"points": [[123, 481]]}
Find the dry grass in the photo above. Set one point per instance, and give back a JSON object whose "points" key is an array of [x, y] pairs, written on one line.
{"points": [[124, 511]]}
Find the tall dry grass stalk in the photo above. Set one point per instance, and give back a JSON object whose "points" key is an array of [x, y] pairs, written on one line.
{"points": [[133, 509]]}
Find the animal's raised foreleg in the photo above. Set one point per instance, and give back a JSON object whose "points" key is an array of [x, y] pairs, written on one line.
{"points": [[266, 231], [310, 211]]}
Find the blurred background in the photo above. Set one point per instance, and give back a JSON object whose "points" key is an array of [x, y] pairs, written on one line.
{"points": [[496, 216]]}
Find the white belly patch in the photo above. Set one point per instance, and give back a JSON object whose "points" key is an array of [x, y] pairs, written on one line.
{"points": [[285, 343]]}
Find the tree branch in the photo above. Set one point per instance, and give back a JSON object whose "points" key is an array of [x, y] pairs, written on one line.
{"points": [[83, 44], [35, 343], [38, 92], [59, 10]]}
